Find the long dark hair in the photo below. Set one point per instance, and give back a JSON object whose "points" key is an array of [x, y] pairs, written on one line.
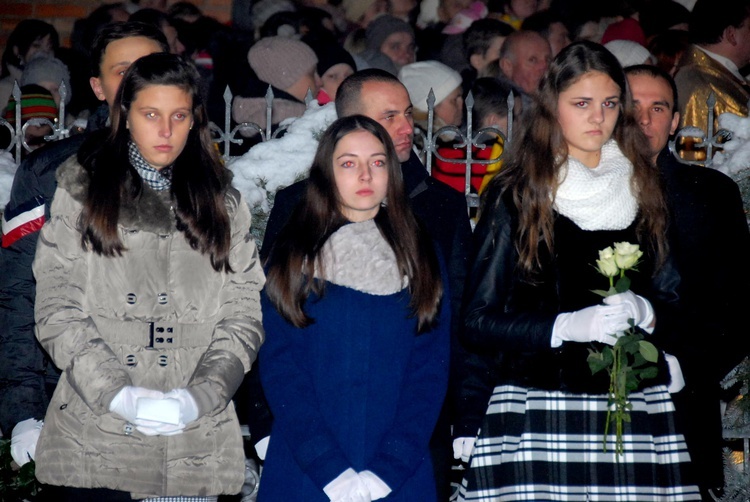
{"points": [[539, 150], [291, 263], [199, 180]]}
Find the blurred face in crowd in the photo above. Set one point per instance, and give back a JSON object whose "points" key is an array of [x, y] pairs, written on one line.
{"points": [[399, 47], [375, 9], [309, 80], [170, 32], [159, 121], [522, 8], [401, 8], [332, 78], [117, 58], [587, 112], [450, 110], [558, 37], [42, 45], [528, 62], [449, 8], [480, 61], [389, 104], [655, 108], [361, 174]]}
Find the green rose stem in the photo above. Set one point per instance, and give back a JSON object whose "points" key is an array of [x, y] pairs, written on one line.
{"points": [[631, 359]]}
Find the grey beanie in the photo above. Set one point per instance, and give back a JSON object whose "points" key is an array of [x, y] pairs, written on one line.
{"points": [[44, 68], [381, 28], [281, 61]]}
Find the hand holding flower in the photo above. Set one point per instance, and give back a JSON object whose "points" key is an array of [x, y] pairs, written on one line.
{"points": [[639, 309]]}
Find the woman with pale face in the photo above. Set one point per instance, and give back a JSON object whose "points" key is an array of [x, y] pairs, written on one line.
{"points": [[577, 180], [156, 314], [356, 334]]}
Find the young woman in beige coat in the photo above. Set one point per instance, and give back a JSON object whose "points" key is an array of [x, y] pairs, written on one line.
{"points": [[147, 298]]}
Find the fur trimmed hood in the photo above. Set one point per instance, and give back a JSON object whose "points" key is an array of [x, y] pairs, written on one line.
{"points": [[150, 211]]}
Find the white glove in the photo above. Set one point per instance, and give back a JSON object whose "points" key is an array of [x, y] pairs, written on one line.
{"points": [[261, 447], [347, 487], [639, 308], [378, 488], [188, 406], [677, 381], [149, 428], [462, 448], [163, 411], [592, 324], [125, 403], [23, 440]]}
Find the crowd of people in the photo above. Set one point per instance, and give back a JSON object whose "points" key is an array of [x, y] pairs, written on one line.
{"points": [[377, 343]]}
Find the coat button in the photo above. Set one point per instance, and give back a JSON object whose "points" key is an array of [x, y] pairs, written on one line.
{"points": [[163, 360], [162, 298], [131, 298], [131, 361]]}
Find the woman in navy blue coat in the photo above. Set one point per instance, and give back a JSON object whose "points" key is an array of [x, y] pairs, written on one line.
{"points": [[355, 364]]}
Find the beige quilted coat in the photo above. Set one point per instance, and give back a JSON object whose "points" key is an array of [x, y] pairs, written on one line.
{"points": [[158, 317]]}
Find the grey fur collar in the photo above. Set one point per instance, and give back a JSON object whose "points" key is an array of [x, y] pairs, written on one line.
{"points": [[149, 212], [357, 256]]}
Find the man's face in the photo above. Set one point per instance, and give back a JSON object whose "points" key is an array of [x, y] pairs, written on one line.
{"points": [[118, 56], [742, 41], [389, 104], [654, 105], [526, 68], [481, 61]]}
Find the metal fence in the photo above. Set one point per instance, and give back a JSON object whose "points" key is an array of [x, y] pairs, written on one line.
{"points": [[703, 141]]}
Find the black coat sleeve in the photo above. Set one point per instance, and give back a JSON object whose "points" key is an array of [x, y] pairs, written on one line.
{"points": [[27, 376]]}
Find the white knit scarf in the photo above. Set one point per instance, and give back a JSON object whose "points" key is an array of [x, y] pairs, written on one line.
{"points": [[598, 198], [358, 256]]}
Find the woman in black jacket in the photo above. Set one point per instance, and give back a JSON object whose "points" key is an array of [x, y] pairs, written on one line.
{"points": [[575, 183]]}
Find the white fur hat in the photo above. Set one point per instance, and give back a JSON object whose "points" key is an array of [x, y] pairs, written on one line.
{"points": [[419, 77], [629, 53]]}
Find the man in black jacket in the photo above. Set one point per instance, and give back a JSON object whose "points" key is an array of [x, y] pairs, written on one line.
{"points": [[380, 96], [708, 227], [27, 376]]}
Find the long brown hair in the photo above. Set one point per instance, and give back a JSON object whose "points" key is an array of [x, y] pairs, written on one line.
{"points": [[538, 151], [199, 180], [291, 263]]}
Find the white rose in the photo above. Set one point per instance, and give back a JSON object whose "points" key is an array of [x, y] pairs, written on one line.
{"points": [[606, 263], [627, 255]]}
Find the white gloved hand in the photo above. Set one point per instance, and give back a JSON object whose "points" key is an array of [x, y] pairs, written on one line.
{"points": [[149, 428], [188, 406], [598, 323], [261, 447], [677, 381], [347, 487], [164, 411], [125, 403], [23, 440], [639, 308], [378, 488], [463, 447]]}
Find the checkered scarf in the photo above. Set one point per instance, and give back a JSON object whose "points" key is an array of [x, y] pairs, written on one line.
{"points": [[157, 179]]}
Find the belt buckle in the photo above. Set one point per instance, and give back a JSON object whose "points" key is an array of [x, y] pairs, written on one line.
{"points": [[160, 335]]}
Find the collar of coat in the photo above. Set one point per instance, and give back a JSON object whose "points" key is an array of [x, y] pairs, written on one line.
{"points": [[150, 211]]}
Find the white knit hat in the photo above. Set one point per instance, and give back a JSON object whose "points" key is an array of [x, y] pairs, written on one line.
{"points": [[419, 77], [629, 53]]}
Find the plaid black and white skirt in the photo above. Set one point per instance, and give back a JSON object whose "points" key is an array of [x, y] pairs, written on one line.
{"points": [[547, 445]]}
